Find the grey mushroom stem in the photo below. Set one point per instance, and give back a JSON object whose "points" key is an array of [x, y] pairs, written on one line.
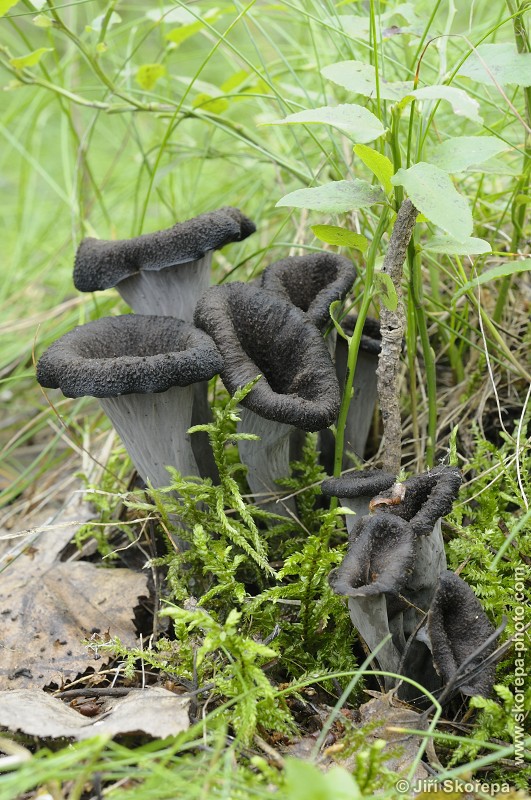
{"points": [[161, 439], [168, 292], [261, 333], [164, 274], [142, 369], [266, 460]]}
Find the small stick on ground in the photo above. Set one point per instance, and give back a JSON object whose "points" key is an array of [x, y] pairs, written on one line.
{"points": [[392, 325]]}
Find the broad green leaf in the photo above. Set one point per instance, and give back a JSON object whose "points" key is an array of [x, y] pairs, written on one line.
{"points": [[335, 197], [342, 237], [212, 103], [30, 59], [433, 193], [304, 781], [462, 152], [492, 274], [234, 81], [452, 247], [5, 5], [390, 23], [357, 121], [386, 290], [180, 35], [500, 166], [462, 104], [500, 63], [148, 74], [358, 77], [379, 164]]}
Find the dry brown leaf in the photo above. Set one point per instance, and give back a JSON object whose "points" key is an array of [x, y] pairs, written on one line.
{"points": [[383, 715], [48, 608], [153, 711]]}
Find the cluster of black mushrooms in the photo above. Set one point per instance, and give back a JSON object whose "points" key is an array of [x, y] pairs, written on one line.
{"points": [[150, 372]]}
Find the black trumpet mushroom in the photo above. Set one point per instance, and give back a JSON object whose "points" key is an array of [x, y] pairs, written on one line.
{"points": [[260, 333], [142, 370], [311, 282], [457, 630], [165, 272], [356, 489], [394, 564]]}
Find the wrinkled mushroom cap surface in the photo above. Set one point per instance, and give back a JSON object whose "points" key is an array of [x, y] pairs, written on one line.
{"points": [[427, 498], [260, 333], [367, 483], [457, 626], [130, 354], [311, 282], [379, 559], [101, 264]]}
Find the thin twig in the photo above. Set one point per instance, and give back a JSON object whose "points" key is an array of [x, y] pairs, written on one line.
{"points": [[392, 328]]}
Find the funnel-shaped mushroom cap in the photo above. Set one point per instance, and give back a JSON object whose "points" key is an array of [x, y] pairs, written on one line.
{"points": [[379, 560], [128, 354], [424, 499], [457, 626], [102, 264], [366, 483], [311, 282], [259, 333]]}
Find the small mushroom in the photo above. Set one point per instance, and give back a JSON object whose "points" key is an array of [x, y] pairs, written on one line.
{"points": [[260, 333], [410, 562], [457, 628], [165, 272], [311, 282], [142, 370], [355, 489], [379, 560]]}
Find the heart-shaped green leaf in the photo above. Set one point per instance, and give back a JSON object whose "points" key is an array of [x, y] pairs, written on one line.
{"points": [[462, 152], [433, 193], [379, 164], [356, 121], [452, 247], [341, 237], [358, 77], [30, 59], [498, 63], [335, 197]]}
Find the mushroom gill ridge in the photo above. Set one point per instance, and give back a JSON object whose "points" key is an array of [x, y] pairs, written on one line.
{"points": [[260, 333]]}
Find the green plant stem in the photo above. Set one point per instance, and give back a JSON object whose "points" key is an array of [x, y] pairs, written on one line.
{"points": [[518, 209], [411, 340], [355, 341], [374, 52], [417, 296]]}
